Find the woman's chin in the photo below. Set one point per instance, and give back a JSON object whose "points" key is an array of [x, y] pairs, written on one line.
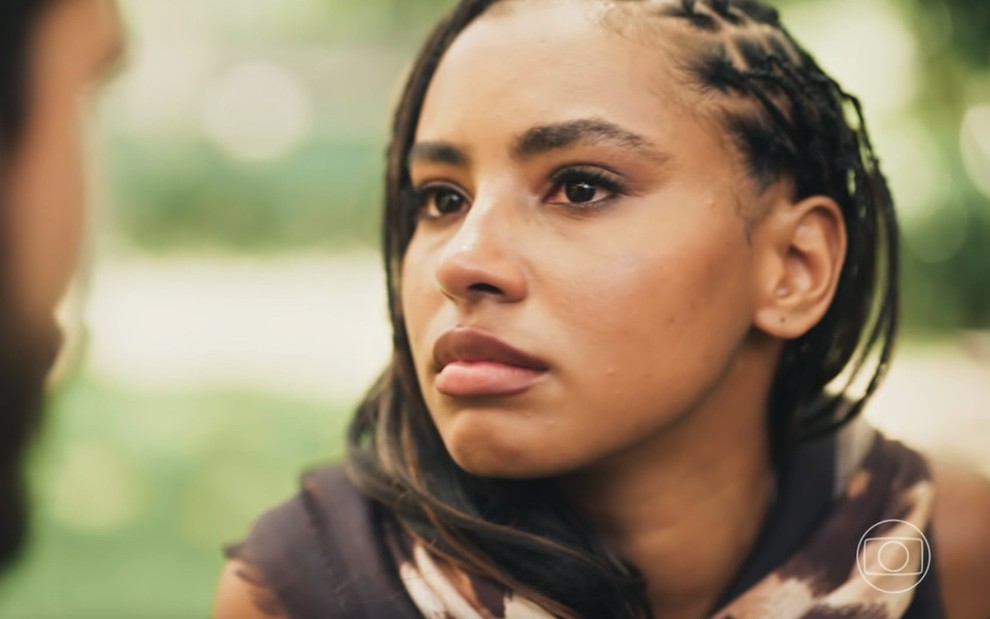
{"points": [[487, 441], [490, 456], [487, 454], [495, 468]]}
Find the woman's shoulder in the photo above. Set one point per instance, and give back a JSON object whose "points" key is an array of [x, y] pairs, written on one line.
{"points": [[294, 535], [318, 554], [240, 595], [961, 531], [292, 550]]}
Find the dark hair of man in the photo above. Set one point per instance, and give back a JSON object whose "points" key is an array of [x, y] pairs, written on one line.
{"points": [[25, 358], [789, 120]]}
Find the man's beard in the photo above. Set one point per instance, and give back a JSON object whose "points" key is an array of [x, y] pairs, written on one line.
{"points": [[25, 360]]}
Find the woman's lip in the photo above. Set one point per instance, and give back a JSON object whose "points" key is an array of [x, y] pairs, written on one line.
{"points": [[472, 363], [470, 345], [485, 378]]}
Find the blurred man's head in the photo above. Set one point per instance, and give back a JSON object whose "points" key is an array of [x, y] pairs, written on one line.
{"points": [[52, 52]]}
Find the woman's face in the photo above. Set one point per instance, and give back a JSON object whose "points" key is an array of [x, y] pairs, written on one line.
{"points": [[74, 43], [576, 208]]}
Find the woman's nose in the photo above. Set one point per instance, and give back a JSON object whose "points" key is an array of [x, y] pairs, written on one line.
{"points": [[482, 260]]}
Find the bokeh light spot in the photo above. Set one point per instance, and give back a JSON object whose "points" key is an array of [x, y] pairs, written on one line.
{"points": [[974, 140], [865, 45], [96, 487], [257, 111], [941, 235], [918, 179]]}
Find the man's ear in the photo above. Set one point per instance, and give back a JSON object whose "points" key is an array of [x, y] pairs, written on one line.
{"points": [[799, 250]]}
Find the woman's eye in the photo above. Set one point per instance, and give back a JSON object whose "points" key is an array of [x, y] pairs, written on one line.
{"points": [[437, 201], [581, 191], [582, 188], [446, 201]]}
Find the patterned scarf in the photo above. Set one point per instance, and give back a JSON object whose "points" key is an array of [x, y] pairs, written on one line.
{"points": [[864, 559]]}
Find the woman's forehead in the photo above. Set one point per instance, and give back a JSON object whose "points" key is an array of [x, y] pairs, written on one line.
{"points": [[550, 61]]}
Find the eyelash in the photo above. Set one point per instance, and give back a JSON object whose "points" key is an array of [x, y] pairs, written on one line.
{"points": [[420, 198], [593, 176], [596, 177]]}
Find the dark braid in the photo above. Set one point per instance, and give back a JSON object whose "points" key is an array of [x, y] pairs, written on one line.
{"points": [[788, 121], [688, 10], [758, 12], [724, 10], [800, 129]]}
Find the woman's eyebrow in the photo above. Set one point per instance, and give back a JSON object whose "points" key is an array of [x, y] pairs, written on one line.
{"points": [[542, 139], [438, 152], [557, 136]]}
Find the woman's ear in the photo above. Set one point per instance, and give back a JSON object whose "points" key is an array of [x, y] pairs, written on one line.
{"points": [[799, 250]]}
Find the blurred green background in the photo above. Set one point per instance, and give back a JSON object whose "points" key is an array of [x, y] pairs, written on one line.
{"points": [[233, 310]]}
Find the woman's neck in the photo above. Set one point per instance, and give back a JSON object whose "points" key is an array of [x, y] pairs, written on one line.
{"points": [[686, 506]]}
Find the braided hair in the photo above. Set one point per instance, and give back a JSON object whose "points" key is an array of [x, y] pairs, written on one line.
{"points": [[788, 120], [800, 124]]}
